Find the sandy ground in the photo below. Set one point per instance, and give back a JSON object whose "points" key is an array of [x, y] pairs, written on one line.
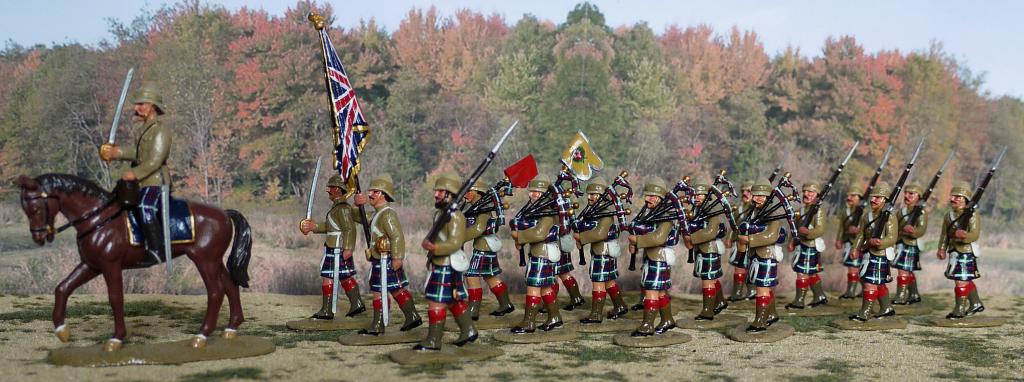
{"points": [[816, 352]]}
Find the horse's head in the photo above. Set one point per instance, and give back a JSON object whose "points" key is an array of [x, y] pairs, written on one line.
{"points": [[40, 208]]}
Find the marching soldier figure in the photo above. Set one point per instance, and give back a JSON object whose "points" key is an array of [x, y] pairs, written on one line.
{"points": [[760, 242], [445, 288], [148, 168], [542, 236], [657, 275], [908, 254], [387, 243], [563, 271], [807, 262], [340, 228], [961, 248], [484, 265], [705, 242], [603, 253], [844, 242], [739, 260], [874, 269]]}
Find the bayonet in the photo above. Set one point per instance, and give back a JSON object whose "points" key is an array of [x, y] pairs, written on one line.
{"points": [[120, 105]]}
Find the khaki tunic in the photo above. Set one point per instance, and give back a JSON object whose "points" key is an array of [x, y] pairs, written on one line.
{"points": [[475, 232], [704, 239], [598, 237], [919, 229], [536, 236], [149, 156], [450, 239], [387, 227], [340, 227], [889, 234], [652, 242], [815, 230], [949, 243], [761, 243], [843, 233]]}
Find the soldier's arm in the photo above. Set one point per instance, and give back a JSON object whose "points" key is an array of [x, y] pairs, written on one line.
{"points": [[922, 225], [656, 238], [537, 233], [817, 228], [127, 153], [393, 230], [973, 229], [942, 235], [477, 229], [348, 227], [705, 234], [767, 237], [357, 218], [455, 230], [161, 149], [599, 233], [890, 234], [861, 238]]}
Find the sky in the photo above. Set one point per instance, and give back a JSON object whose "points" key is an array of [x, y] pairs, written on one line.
{"points": [[985, 35]]}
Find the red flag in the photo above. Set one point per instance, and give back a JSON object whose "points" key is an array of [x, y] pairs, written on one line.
{"points": [[522, 172]]}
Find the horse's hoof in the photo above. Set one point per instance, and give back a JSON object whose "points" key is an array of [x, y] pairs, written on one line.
{"points": [[230, 334], [198, 342], [112, 345], [63, 333]]}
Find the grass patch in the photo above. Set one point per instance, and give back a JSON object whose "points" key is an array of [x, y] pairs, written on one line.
{"points": [[715, 376], [225, 375], [288, 339], [503, 377], [582, 355], [131, 309], [835, 370], [433, 371], [972, 350], [811, 324]]}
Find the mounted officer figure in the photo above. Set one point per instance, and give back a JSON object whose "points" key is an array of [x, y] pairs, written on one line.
{"points": [[148, 169]]}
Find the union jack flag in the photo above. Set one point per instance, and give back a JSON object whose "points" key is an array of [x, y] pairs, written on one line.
{"points": [[348, 138]]}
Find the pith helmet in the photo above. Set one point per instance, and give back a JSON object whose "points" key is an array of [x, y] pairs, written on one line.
{"points": [[962, 189], [384, 184], [882, 189], [337, 181], [597, 186], [812, 186], [478, 186], [701, 188], [539, 184], [761, 188], [913, 187], [656, 187], [147, 93], [746, 186], [447, 182]]}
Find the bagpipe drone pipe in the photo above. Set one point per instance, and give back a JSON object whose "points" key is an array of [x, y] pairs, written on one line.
{"points": [[554, 201]]}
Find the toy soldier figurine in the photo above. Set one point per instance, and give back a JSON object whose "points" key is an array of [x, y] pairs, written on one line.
{"points": [[387, 250], [706, 245], [657, 275], [603, 251], [961, 249], [739, 260], [445, 288], [563, 271], [542, 236], [874, 269], [844, 242], [807, 262], [908, 252], [148, 170], [760, 242], [340, 228], [481, 230]]}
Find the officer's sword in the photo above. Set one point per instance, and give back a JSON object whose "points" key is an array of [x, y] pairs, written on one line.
{"points": [[165, 218], [120, 106], [309, 215], [384, 301]]}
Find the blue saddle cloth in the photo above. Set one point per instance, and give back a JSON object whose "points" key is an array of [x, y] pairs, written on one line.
{"points": [[183, 224]]}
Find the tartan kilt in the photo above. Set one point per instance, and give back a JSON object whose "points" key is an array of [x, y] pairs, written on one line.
{"points": [[875, 270], [763, 272], [907, 258], [483, 264], [962, 267], [442, 283], [540, 272], [847, 259], [603, 268], [346, 268], [738, 259], [807, 260], [657, 275], [707, 266], [564, 264], [396, 279]]}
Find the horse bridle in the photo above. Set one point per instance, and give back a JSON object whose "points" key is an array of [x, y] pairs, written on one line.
{"points": [[50, 230]]}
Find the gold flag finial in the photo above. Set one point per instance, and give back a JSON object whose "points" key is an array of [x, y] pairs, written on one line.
{"points": [[316, 19]]}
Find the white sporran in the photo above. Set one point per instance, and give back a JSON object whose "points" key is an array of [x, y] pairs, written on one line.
{"points": [[459, 261], [493, 242]]}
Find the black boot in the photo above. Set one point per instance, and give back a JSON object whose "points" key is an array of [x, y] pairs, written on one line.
{"points": [[152, 241], [575, 298], [504, 305], [529, 322], [646, 326], [619, 307], [412, 318], [707, 313], [914, 295], [798, 299], [474, 310], [325, 310], [467, 332], [864, 312], [667, 321], [720, 302], [355, 302], [554, 318], [885, 308], [975, 305]]}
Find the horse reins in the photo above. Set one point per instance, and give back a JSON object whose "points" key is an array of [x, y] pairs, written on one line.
{"points": [[49, 229]]}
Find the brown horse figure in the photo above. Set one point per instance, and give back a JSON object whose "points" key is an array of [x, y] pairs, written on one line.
{"points": [[104, 249]]}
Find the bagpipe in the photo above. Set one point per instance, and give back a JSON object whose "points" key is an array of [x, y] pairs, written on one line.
{"points": [[492, 201], [759, 217], [878, 227], [715, 203], [609, 198], [670, 208], [972, 205], [555, 201]]}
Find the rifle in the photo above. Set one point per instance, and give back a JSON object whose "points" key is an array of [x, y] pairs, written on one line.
{"points": [[805, 221], [965, 217], [918, 210], [858, 212], [883, 218]]}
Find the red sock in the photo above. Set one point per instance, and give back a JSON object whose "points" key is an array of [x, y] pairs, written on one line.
{"points": [[532, 301], [709, 292], [883, 291], [852, 277], [476, 294], [349, 283], [401, 296], [815, 279], [651, 303], [436, 315], [378, 305], [458, 308], [549, 298], [903, 280], [870, 295], [803, 283], [763, 301], [598, 295], [912, 278], [972, 286], [499, 289], [554, 288], [613, 290], [739, 277], [327, 287], [962, 291], [663, 301], [718, 285], [569, 282]]}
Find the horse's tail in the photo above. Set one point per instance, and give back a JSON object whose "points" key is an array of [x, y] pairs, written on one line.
{"points": [[241, 249]]}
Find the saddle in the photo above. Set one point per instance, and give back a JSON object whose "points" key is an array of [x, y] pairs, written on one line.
{"points": [[183, 224]]}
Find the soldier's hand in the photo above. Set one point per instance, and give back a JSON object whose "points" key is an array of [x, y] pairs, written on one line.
{"points": [[632, 240], [940, 254], [346, 254], [855, 254], [359, 199], [960, 234], [396, 264], [129, 176], [839, 244], [743, 239], [853, 230], [429, 246], [803, 231], [875, 243], [306, 226], [109, 152], [791, 246], [728, 243], [632, 248], [519, 246], [688, 242], [515, 235]]}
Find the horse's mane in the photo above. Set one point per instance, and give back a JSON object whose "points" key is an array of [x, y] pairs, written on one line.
{"points": [[70, 183]]}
